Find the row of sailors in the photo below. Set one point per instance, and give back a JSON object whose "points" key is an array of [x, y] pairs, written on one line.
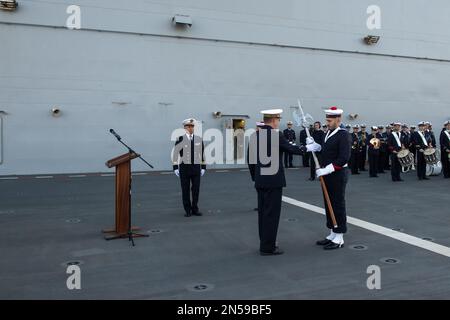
{"points": [[381, 157]]}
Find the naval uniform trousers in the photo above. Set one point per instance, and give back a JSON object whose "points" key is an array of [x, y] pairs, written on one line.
{"points": [[445, 160], [395, 167], [336, 183], [190, 179], [362, 158], [354, 161], [269, 208], [373, 162], [421, 165]]}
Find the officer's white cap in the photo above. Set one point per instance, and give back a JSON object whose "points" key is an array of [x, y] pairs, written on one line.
{"points": [[446, 122], [189, 121], [397, 123], [289, 122], [355, 126], [272, 113], [374, 128], [333, 112]]}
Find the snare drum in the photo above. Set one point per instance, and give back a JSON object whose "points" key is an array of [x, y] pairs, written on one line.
{"points": [[430, 156]]}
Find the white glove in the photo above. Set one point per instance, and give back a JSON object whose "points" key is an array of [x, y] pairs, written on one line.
{"points": [[309, 140], [324, 171], [313, 147], [177, 172], [202, 172]]}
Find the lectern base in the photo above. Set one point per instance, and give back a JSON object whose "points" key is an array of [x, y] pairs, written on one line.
{"points": [[114, 235]]}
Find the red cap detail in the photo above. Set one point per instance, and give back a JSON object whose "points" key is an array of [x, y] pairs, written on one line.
{"points": [[333, 108]]}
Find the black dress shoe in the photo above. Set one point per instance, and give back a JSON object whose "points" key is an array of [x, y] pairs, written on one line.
{"points": [[323, 242], [333, 246], [275, 252], [311, 179], [426, 178], [197, 213], [188, 214], [255, 209]]}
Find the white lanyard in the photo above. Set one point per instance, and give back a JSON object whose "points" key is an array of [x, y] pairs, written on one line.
{"points": [[423, 138], [328, 136], [397, 138], [447, 134]]}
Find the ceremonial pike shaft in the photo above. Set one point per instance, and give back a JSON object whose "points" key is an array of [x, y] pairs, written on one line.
{"points": [[316, 161]]}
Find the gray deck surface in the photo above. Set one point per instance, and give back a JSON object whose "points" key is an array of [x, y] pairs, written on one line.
{"points": [[219, 249]]}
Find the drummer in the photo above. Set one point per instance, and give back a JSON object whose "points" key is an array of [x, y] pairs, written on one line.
{"points": [[395, 144], [421, 142]]}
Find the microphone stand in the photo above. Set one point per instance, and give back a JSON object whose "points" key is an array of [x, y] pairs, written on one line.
{"points": [[131, 151]]}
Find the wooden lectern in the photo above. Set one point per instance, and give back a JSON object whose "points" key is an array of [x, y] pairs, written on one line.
{"points": [[123, 227]]}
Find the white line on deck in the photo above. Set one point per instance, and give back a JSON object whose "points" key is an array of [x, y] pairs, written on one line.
{"points": [[244, 170], [222, 170], [77, 176], [424, 244], [139, 174], [44, 177], [108, 174], [167, 172], [9, 178]]}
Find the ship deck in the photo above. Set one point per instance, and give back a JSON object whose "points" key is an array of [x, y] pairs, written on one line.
{"points": [[47, 222]]}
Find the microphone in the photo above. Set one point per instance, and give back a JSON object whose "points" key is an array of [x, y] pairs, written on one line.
{"points": [[115, 134]]}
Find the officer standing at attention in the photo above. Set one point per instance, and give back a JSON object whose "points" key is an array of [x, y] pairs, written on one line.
{"points": [[421, 141], [387, 157], [305, 156], [373, 143], [189, 165], [354, 160], [289, 134], [444, 141], [412, 147], [335, 155], [363, 148], [381, 158], [266, 168], [395, 144]]}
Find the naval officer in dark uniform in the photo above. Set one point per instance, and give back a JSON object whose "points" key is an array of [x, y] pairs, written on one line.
{"points": [[189, 165], [266, 168], [444, 141], [355, 152], [289, 134], [363, 148], [421, 141], [336, 152], [395, 144], [373, 146]]}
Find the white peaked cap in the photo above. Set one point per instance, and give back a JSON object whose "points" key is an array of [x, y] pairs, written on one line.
{"points": [[272, 113], [189, 121]]}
